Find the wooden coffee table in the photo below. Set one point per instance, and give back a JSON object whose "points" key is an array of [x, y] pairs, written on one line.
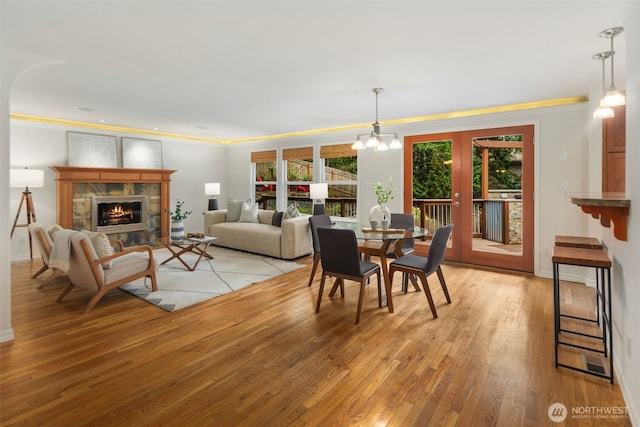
{"points": [[196, 245]]}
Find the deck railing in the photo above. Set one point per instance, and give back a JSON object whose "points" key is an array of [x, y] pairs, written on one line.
{"points": [[490, 216]]}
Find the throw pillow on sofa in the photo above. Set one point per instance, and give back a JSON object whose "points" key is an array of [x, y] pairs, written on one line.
{"points": [[234, 208], [291, 212], [248, 213], [276, 219]]}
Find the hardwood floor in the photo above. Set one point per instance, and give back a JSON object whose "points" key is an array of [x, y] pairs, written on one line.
{"points": [[262, 356]]}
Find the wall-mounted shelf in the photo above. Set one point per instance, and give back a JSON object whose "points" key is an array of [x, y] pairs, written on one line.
{"points": [[608, 208]]}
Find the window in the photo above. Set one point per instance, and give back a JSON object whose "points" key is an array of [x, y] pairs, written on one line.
{"points": [[341, 173], [299, 174], [266, 176]]}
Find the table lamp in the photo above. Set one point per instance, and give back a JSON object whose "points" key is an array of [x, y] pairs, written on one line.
{"points": [[318, 193], [212, 189]]}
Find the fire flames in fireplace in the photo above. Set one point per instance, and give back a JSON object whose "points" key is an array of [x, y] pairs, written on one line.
{"points": [[115, 214]]}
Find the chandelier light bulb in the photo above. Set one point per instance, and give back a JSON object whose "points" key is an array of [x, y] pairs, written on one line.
{"points": [[603, 113], [613, 98], [395, 144], [358, 145], [372, 142], [382, 146]]}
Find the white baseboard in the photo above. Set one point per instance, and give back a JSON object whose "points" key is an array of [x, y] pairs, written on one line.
{"points": [[7, 335]]}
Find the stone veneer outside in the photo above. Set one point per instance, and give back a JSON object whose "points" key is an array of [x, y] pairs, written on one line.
{"points": [[82, 193]]}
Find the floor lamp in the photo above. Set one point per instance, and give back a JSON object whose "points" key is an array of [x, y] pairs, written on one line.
{"points": [[318, 193], [26, 178], [212, 189]]}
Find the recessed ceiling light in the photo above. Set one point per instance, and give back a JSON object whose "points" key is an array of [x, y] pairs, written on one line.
{"points": [[102, 121], [86, 109], [155, 128]]}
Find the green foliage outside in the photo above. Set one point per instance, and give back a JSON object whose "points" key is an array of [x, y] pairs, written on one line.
{"points": [[432, 168], [347, 164]]}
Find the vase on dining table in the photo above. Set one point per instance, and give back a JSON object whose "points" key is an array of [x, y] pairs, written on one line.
{"points": [[378, 214]]}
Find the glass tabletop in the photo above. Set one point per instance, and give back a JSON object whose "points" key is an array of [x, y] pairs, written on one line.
{"points": [[188, 240], [365, 233]]}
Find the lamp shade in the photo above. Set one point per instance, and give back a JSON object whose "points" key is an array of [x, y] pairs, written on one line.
{"points": [[318, 191], [26, 177], [212, 189]]}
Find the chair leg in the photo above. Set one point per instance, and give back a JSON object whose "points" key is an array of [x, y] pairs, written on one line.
{"points": [[378, 277], [97, 297], [443, 284], [39, 272], [427, 292], [334, 288], [320, 291], [54, 273], [414, 282], [65, 291], [316, 261], [362, 285], [154, 281]]}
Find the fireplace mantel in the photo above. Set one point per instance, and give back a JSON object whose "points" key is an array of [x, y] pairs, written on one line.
{"points": [[66, 176]]}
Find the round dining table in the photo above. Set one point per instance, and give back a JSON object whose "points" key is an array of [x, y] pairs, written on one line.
{"points": [[378, 243]]}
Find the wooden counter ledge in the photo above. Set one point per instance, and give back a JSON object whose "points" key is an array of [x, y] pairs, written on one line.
{"points": [[608, 208]]}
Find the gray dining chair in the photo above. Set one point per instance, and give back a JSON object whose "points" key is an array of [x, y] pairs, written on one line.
{"points": [[341, 259], [315, 222], [423, 267]]}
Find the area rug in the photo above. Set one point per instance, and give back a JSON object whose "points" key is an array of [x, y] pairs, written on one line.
{"points": [[229, 270]]}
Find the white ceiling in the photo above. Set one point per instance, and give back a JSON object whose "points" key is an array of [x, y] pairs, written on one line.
{"points": [[243, 69]]}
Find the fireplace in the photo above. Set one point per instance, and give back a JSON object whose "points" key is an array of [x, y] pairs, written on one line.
{"points": [[118, 214]]}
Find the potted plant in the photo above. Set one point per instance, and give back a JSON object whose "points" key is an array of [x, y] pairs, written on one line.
{"points": [[177, 220], [380, 213]]}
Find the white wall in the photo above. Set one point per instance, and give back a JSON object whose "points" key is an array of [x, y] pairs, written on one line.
{"points": [[42, 145], [626, 255]]}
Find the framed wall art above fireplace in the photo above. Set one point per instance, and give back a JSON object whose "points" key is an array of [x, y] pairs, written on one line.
{"points": [[88, 149], [141, 153]]}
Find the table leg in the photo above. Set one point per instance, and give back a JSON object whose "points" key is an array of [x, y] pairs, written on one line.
{"points": [[387, 279], [203, 252], [193, 248], [176, 255]]}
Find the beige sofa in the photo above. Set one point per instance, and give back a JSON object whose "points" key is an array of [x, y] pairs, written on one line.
{"points": [[291, 240]]}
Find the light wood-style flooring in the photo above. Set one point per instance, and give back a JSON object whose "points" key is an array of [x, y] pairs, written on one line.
{"points": [[262, 356]]}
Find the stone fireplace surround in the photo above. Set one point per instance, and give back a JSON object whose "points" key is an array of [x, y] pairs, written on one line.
{"points": [[75, 187]]}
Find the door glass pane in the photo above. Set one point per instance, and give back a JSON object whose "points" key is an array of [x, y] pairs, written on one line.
{"points": [[497, 194], [432, 174]]}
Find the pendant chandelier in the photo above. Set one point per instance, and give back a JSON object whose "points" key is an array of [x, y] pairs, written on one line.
{"points": [[375, 138], [612, 96], [603, 112]]}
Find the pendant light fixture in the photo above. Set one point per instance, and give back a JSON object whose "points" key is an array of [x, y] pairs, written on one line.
{"points": [[612, 97], [375, 138], [603, 112]]}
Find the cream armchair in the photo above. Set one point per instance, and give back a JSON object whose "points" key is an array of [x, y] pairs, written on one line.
{"points": [[44, 243], [86, 269]]}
